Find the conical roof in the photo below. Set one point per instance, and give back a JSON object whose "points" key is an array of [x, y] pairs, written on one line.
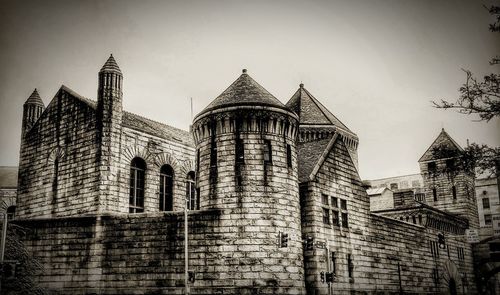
{"points": [[443, 140], [244, 91], [311, 111], [34, 98], [111, 65]]}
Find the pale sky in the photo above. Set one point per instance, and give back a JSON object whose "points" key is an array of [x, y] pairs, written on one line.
{"points": [[375, 64]]}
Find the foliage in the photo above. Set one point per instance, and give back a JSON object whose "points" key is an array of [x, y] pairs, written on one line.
{"points": [[475, 158]]}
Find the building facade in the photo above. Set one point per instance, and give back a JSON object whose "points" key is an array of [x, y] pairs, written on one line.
{"points": [[275, 201]]}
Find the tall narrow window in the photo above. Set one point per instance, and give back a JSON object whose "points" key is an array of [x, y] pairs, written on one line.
{"points": [[345, 221], [486, 203], [137, 176], [191, 198], [326, 216], [268, 156], [335, 217], [454, 192], [289, 155], [213, 161], [166, 188], [240, 151], [11, 212], [334, 263], [350, 265], [434, 194]]}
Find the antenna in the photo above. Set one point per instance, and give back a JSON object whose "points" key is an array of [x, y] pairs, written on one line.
{"points": [[191, 108]]}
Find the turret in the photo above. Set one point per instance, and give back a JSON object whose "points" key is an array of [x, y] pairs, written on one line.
{"points": [[449, 179], [32, 110], [109, 120], [247, 168]]}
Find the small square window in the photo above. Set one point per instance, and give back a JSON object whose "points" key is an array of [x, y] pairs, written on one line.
{"points": [[324, 199], [343, 204], [335, 202]]}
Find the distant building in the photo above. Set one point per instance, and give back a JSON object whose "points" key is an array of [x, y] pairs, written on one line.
{"points": [[8, 190]]}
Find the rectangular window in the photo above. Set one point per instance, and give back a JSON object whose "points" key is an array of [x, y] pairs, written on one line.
{"points": [[268, 157], [486, 203], [213, 161], [335, 217], [460, 254], [431, 167], [324, 199], [343, 204], [326, 216], [450, 164], [454, 192], [240, 151], [494, 247], [345, 221], [289, 155], [335, 202], [350, 265], [487, 219], [434, 194], [394, 186], [434, 249]]}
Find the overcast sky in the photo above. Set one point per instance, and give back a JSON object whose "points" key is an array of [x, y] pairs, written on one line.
{"points": [[375, 64]]}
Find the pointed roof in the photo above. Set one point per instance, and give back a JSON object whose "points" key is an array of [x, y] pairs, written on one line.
{"points": [[311, 111], [34, 98], [443, 139], [244, 91], [111, 65]]}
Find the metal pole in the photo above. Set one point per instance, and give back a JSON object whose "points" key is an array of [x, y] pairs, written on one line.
{"points": [[186, 260], [2, 249], [328, 266], [399, 275]]}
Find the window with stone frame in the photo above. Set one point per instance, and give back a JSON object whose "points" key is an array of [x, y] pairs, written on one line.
{"points": [[431, 167], [486, 203], [213, 158], [11, 212], [326, 216], [487, 219], [335, 203], [333, 263], [344, 214], [289, 155], [166, 188], [136, 185], [324, 199], [192, 200], [350, 266], [454, 192], [335, 218], [268, 152], [434, 247]]}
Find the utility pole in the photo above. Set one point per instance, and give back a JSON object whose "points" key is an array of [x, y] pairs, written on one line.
{"points": [[2, 249], [186, 259]]}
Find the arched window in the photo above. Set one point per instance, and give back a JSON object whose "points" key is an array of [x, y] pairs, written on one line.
{"points": [[11, 212], [193, 203], [166, 188], [137, 176]]}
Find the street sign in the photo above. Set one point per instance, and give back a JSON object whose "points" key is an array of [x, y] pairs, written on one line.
{"points": [[472, 235]]}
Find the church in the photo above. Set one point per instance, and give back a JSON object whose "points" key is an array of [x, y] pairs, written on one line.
{"points": [[275, 203]]}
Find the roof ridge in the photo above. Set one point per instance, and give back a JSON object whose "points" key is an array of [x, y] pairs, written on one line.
{"points": [[154, 121]]}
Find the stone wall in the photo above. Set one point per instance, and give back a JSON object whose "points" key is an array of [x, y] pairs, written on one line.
{"points": [[58, 165], [375, 244]]}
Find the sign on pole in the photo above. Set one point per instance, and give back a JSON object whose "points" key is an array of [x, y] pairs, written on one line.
{"points": [[472, 235]]}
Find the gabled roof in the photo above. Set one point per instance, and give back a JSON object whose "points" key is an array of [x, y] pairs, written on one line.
{"points": [[376, 191], [244, 91], [443, 139], [142, 124], [34, 98], [111, 65], [309, 154], [311, 111]]}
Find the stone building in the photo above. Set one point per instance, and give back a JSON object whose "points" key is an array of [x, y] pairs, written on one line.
{"points": [[276, 204]]}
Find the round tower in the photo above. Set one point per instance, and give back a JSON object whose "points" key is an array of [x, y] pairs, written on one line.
{"points": [[247, 168], [32, 110]]}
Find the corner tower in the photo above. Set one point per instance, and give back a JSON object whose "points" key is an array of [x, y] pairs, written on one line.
{"points": [[247, 168], [32, 110], [109, 123], [448, 180]]}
